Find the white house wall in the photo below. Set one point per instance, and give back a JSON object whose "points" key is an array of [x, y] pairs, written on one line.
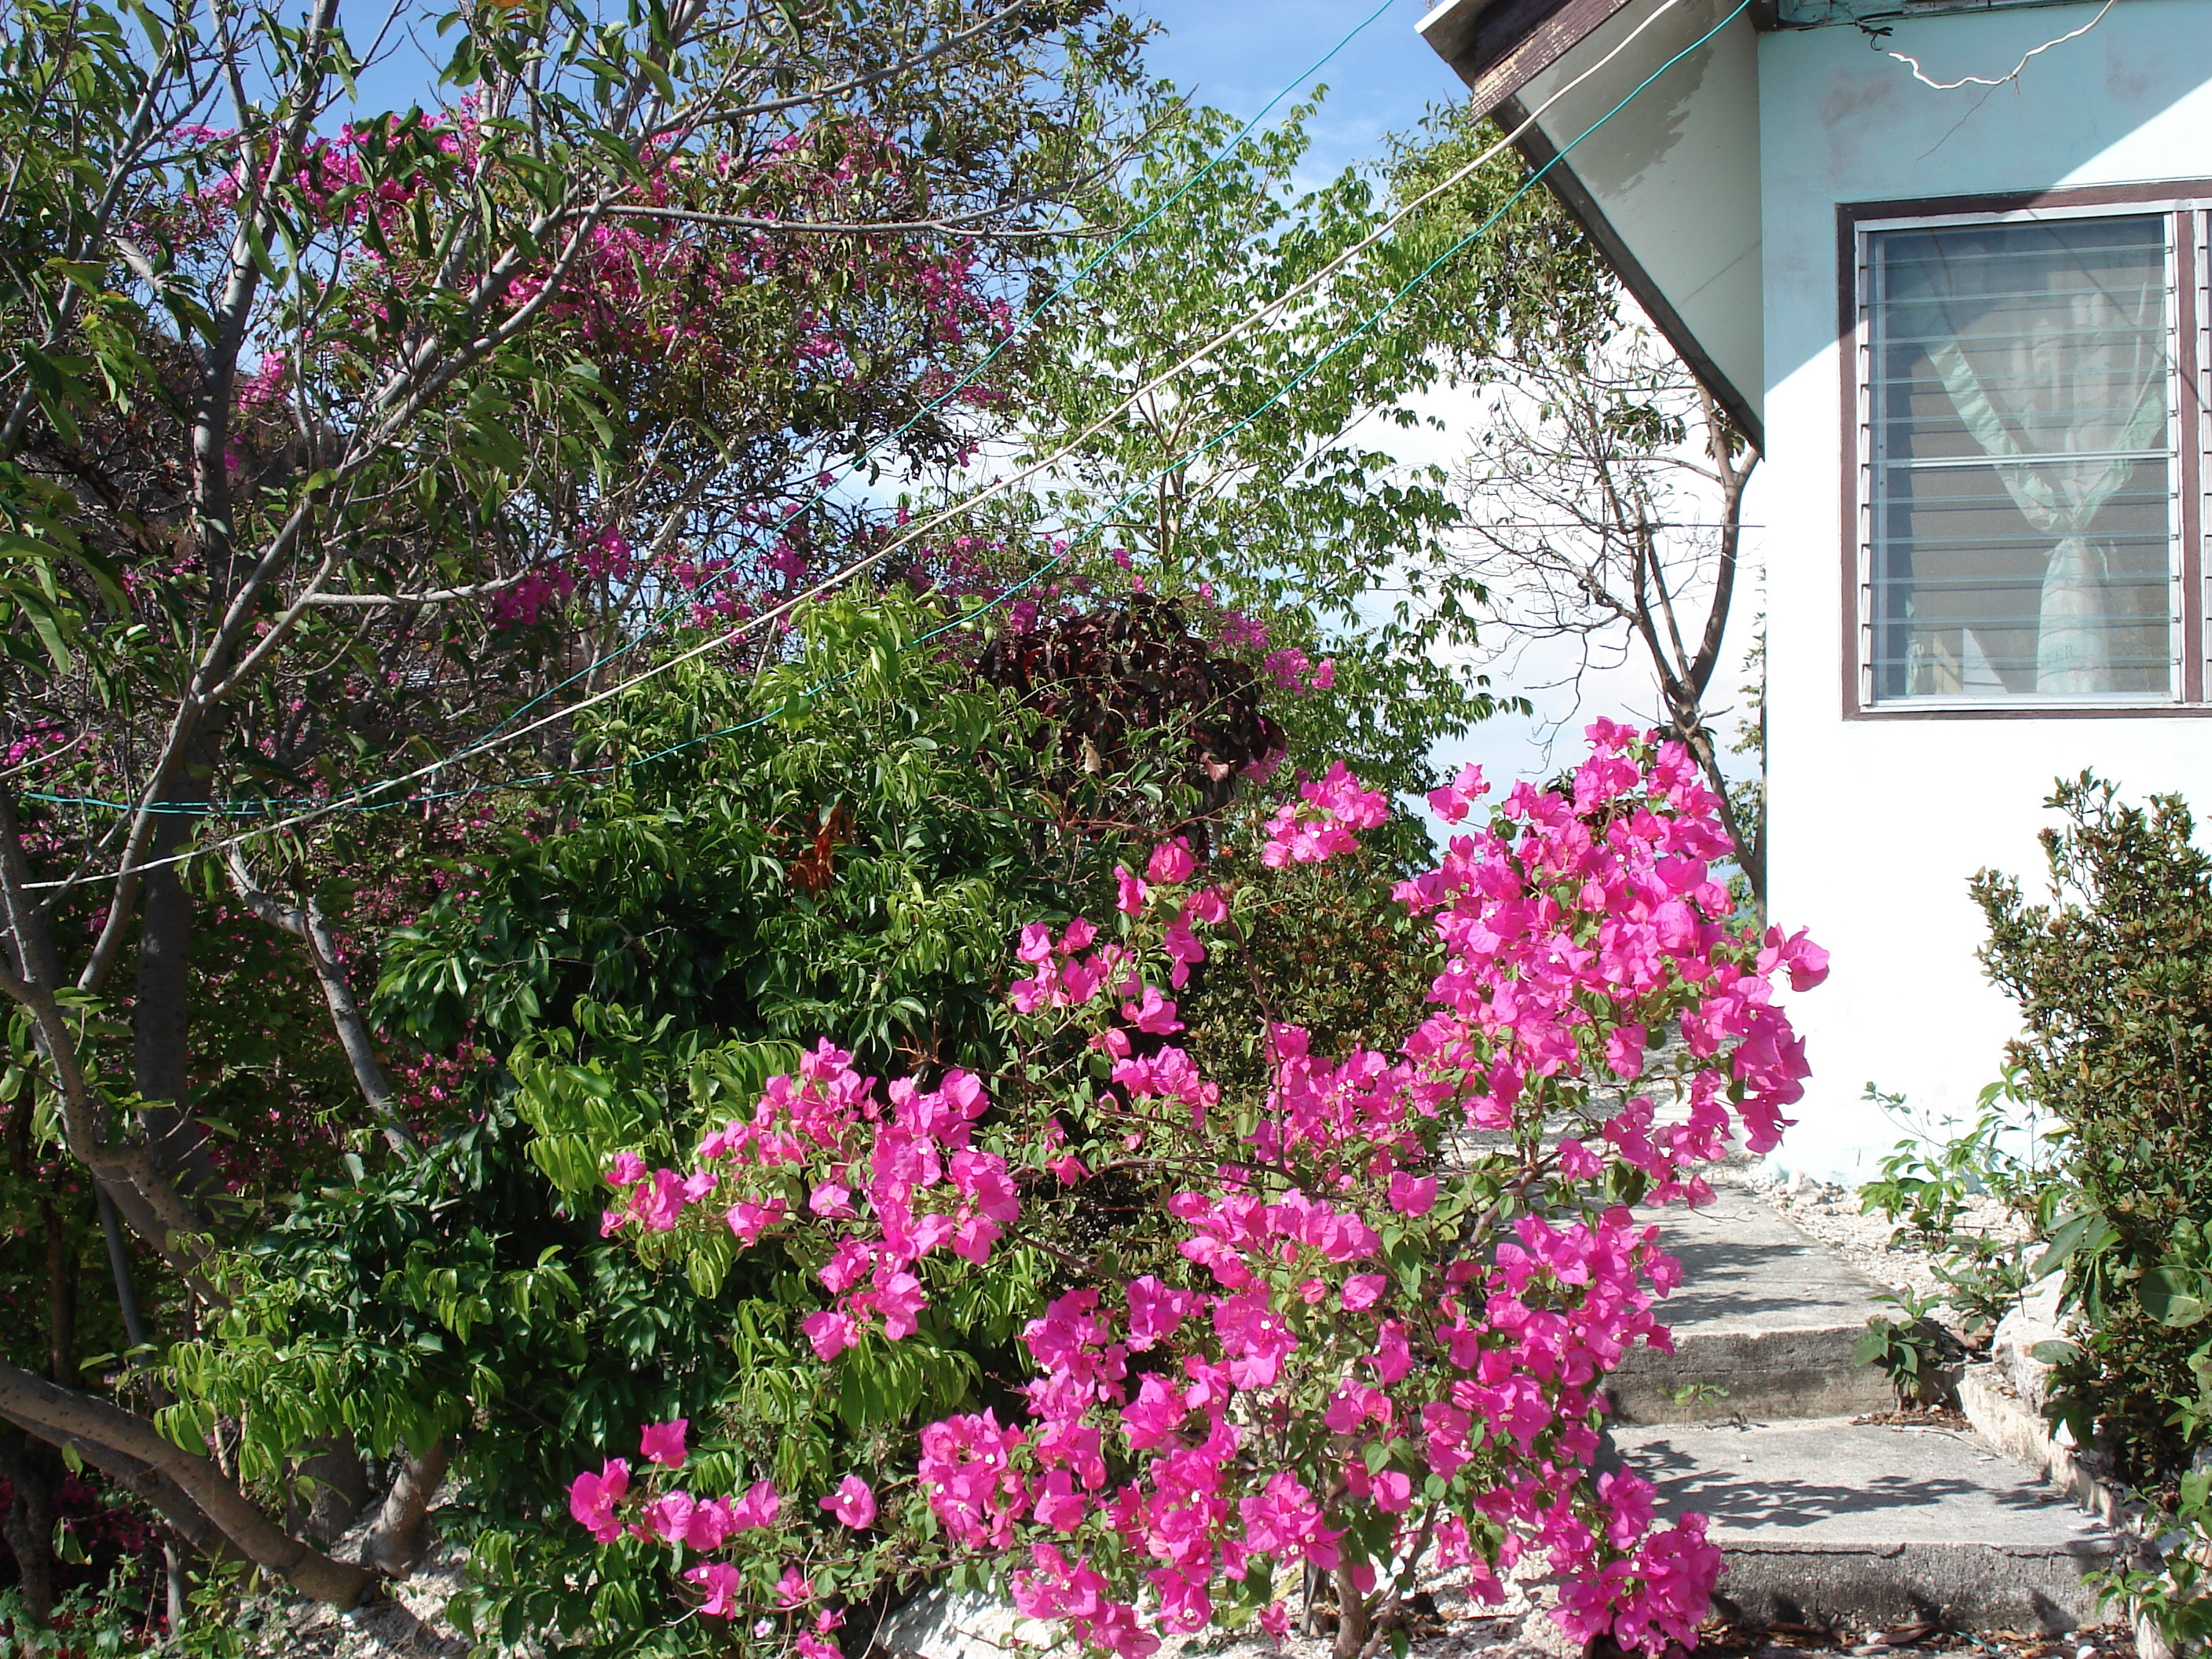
{"points": [[1878, 823]]}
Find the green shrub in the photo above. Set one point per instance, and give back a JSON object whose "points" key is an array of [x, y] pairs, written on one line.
{"points": [[2113, 977], [638, 960], [1930, 1177]]}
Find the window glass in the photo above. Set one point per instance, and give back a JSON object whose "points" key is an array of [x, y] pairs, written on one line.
{"points": [[2021, 528]]}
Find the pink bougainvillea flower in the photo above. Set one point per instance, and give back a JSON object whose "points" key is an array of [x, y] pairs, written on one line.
{"points": [[1156, 1311], [663, 1442], [1806, 961], [1453, 801], [899, 1300], [853, 1503], [1129, 894], [1393, 1492], [1413, 1194], [721, 1582], [668, 1517], [749, 1220], [1155, 1015], [592, 1499], [757, 1508], [830, 1333], [1362, 1290], [1171, 863]]}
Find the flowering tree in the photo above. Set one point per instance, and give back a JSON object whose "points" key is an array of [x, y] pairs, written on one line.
{"points": [[1368, 1338], [332, 436]]}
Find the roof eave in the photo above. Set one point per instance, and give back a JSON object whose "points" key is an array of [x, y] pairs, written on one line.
{"points": [[1497, 46], [1585, 212]]}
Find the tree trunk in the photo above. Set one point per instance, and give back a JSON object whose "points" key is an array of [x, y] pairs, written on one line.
{"points": [[1351, 1620], [403, 1528], [28, 1526], [161, 1020]]}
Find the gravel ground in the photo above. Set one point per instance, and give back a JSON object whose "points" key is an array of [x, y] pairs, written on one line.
{"points": [[410, 1625]]}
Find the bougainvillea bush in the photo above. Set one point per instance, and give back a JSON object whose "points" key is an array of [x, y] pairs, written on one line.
{"points": [[1366, 1338]]}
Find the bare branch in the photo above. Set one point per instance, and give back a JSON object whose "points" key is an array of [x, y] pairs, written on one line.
{"points": [[435, 596], [1605, 501], [306, 922]]}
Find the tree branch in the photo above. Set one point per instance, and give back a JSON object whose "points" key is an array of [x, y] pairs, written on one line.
{"points": [[307, 923], [58, 1413], [402, 1530]]}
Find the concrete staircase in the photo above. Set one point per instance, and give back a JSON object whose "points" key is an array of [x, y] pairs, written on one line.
{"points": [[1824, 1521]]}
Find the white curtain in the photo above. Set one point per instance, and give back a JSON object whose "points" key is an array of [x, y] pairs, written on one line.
{"points": [[2056, 361]]}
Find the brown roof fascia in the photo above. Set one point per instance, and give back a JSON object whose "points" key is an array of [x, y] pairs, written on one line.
{"points": [[1498, 47]]}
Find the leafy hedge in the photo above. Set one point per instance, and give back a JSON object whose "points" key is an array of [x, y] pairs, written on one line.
{"points": [[2113, 977]]}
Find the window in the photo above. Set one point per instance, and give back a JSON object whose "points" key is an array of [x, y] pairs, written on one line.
{"points": [[2022, 462]]}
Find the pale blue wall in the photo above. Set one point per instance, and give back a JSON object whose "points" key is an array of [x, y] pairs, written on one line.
{"points": [[1876, 826]]}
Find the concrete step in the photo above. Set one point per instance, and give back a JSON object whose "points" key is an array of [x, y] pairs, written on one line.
{"points": [[1767, 1316], [1824, 1521]]}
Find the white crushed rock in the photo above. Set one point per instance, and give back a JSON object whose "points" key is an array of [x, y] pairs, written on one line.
{"points": [[409, 1624], [1520, 1627]]}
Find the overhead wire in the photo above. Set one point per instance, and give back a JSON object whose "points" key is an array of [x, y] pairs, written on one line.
{"points": [[323, 808]]}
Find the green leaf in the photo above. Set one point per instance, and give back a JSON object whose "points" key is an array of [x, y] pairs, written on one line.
{"points": [[2174, 1296], [2075, 1232]]}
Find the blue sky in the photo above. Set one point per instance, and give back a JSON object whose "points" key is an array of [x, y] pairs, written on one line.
{"points": [[1239, 54]]}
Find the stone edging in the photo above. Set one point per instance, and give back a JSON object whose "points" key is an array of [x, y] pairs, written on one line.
{"points": [[2001, 1417]]}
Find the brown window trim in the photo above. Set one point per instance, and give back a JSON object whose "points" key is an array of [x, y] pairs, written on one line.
{"points": [[2186, 201]]}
